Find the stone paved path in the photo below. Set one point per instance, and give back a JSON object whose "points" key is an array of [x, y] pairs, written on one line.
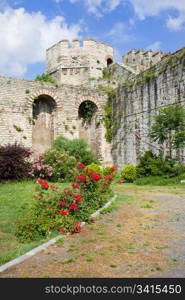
{"points": [[145, 237]]}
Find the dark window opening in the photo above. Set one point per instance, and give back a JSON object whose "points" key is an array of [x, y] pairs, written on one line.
{"points": [[109, 62]]}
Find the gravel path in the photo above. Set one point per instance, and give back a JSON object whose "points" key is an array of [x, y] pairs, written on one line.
{"points": [[145, 237]]}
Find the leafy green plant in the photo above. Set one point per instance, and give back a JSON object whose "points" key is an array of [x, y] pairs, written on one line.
{"points": [[94, 167], [77, 148], [129, 173], [86, 110], [152, 165], [169, 129], [45, 77], [62, 164]]}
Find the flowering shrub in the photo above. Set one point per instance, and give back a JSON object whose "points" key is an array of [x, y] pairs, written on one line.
{"points": [[14, 164], [55, 210], [40, 169], [63, 165]]}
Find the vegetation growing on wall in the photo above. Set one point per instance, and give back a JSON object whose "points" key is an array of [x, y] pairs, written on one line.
{"points": [[86, 110], [45, 78], [108, 112]]}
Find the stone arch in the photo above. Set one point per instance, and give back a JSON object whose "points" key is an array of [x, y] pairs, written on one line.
{"points": [[43, 92], [43, 121], [90, 131], [87, 98]]}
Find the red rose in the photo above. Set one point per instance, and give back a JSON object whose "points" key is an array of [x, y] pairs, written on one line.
{"points": [[76, 229], [73, 206], [96, 176], [64, 212], [75, 185], [80, 166], [81, 178], [62, 203], [112, 170], [78, 197], [62, 229], [107, 182], [53, 187]]}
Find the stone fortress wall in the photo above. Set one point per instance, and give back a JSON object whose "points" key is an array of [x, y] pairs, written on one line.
{"points": [[57, 114], [138, 100], [75, 63], [35, 113], [140, 60]]}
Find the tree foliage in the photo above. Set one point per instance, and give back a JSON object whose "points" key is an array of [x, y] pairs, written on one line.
{"points": [[169, 128]]}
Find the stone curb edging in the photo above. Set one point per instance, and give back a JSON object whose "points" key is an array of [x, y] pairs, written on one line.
{"points": [[34, 251]]}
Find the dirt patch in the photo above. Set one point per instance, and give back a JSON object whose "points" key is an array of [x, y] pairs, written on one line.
{"points": [[138, 240]]}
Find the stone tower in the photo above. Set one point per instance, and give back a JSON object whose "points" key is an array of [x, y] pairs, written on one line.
{"points": [[75, 63]]}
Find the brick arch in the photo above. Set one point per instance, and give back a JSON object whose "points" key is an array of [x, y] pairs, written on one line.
{"points": [[42, 92], [87, 98], [109, 56]]}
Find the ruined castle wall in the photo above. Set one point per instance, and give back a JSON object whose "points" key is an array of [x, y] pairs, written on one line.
{"points": [[16, 113], [136, 104]]}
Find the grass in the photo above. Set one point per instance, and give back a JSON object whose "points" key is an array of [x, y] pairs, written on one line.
{"points": [[15, 198], [158, 181]]}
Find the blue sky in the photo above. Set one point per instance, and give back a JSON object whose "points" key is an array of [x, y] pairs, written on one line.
{"points": [[28, 28]]}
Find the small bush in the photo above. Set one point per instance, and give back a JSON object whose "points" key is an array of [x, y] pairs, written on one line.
{"points": [[14, 163], [77, 148], [62, 164], [40, 169], [55, 210], [129, 173], [94, 167], [152, 165]]}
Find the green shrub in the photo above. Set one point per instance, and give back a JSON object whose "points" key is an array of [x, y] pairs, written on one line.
{"points": [[94, 167], [152, 165], [77, 148], [63, 165], [129, 173], [45, 77]]}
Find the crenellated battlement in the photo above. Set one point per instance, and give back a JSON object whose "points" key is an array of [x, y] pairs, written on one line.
{"points": [[141, 60], [76, 43]]}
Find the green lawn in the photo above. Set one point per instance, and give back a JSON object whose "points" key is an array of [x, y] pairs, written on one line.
{"points": [[14, 198]]}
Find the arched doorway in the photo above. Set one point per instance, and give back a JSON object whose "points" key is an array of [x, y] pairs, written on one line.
{"points": [[109, 61], [43, 123], [89, 125]]}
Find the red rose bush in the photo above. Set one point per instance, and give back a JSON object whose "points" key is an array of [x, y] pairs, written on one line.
{"points": [[60, 211]]}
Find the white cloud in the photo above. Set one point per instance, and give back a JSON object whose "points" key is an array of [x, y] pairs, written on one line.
{"points": [[142, 8], [145, 8], [97, 7], [155, 46], [26, 36], [119, 33], [177, 23]]}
